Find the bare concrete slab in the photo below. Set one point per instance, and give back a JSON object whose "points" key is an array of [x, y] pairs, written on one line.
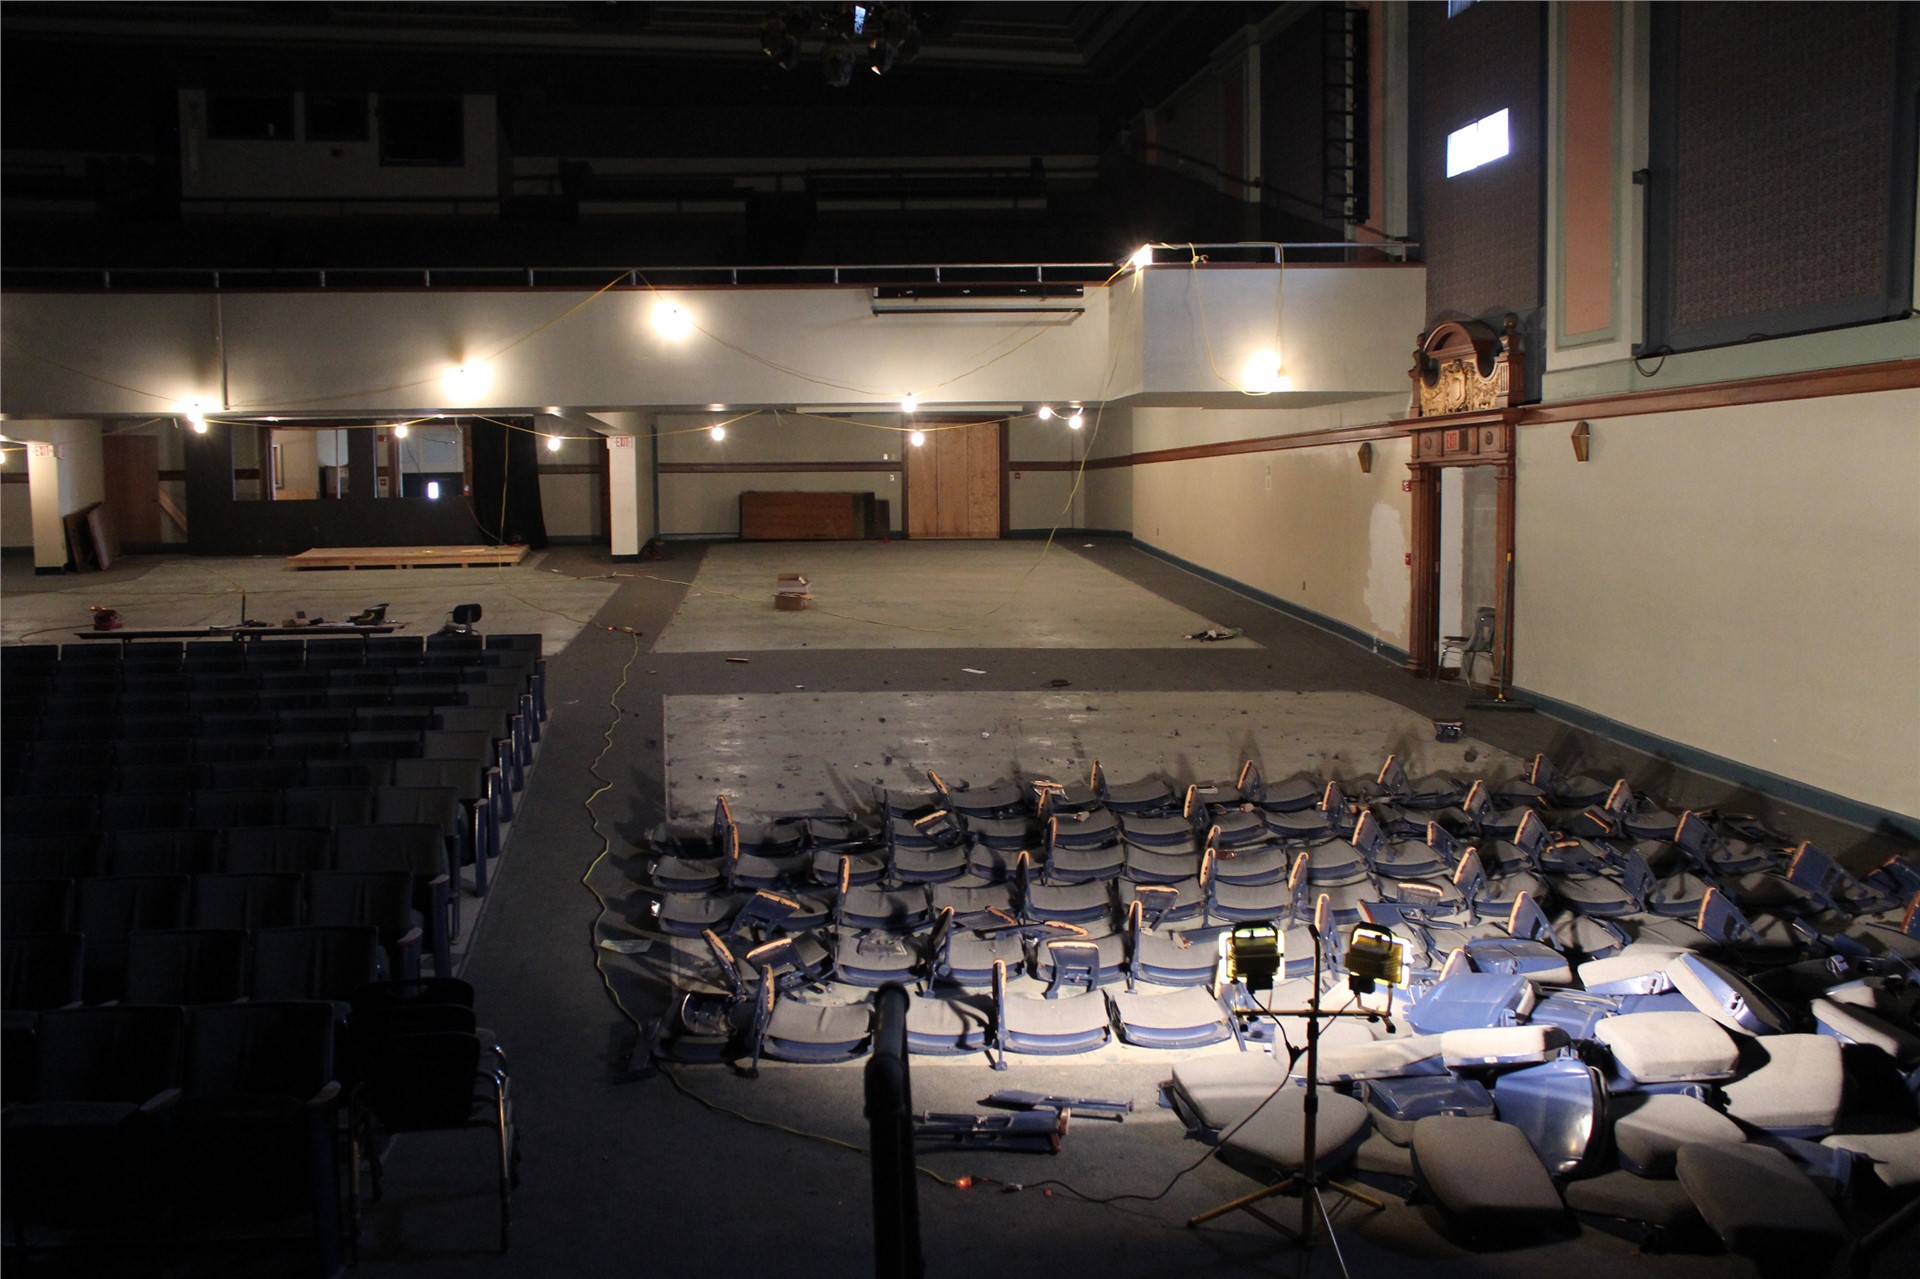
{"points": [[798, 752], [188, 591], [922, 595]]}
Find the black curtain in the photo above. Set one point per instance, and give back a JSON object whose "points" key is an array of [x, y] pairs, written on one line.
{"points": [[507, 460]]}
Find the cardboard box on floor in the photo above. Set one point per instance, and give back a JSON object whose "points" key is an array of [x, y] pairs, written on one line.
{"points": [[791, 593]]}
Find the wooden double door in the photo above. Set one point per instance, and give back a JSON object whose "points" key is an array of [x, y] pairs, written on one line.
{"points": [[956, 481]]}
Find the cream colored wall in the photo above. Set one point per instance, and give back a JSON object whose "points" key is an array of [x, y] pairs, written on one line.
{"points": [[127, 354], [1305, 525], [1736, 579], [16, 504], [1044, 499], [571, 504], [709, 504]]}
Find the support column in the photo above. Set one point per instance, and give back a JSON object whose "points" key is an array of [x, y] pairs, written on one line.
{"points": [[623, 496], [43, 492]]}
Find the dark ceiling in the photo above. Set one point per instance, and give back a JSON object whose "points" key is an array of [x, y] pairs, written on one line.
{"points": [[635, 81]]}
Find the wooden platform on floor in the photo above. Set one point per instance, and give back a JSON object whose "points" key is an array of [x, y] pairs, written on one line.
{"points": [[408, 557]]}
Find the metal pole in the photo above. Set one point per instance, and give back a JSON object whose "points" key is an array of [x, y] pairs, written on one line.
{"points": [[889, 1110]]}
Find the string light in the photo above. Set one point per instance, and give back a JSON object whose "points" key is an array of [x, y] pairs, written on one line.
{"points": [[909, 402], [553, 444], [1077, 421], [1046, 413], [1142, 257], [400, 431], [917, 438], [718, 433]]}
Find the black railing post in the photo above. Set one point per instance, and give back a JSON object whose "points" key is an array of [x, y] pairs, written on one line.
{"points": [[896, 1196]]}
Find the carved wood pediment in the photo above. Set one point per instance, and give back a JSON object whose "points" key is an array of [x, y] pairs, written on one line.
{"points": [[1465, 367]]}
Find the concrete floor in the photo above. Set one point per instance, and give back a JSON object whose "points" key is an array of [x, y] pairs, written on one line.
{"points": [[894, 595], [174, 591], [801, 751]]}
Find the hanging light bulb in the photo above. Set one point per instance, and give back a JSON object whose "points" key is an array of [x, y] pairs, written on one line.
{"points": [[400, 431], [1077, 421], [718, 433], [553, 444], [1046, 413], [670, 321], [1142, 257], [917, 438], [1262, 374], [195, 411], [466, 383], [909, 402]]}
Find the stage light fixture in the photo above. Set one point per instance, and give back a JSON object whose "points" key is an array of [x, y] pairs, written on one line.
{"points": [[917, 438], [718, 433]]}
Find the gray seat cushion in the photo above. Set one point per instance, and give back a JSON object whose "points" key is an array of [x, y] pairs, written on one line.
{"points": [[1756, 1199], [1669, 1047], [1621, 1194], [1650, 1128], [1185, 1008], [1894, 1157], [1794, 1089], [1275, 1134], [1483, 1174]]}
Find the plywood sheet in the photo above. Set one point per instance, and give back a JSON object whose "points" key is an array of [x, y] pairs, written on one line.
{"points": [[407, 556]]}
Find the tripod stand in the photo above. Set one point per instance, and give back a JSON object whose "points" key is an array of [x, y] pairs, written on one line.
{"points": [[1309, 1179]]}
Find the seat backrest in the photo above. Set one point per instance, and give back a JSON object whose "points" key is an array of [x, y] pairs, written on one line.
{"points": [[42, 970], [44, 813], [36, 906], [420, 1079], [122, 1052], [159, 852], [342, 898], [246, 901], [220, 809], [401, 994], [269, 850], [111, 906], [262, 1048], [186, 966], [401, 804], [145, 810], [418, 848], [47, 854], [325, 807], [313, 963]]}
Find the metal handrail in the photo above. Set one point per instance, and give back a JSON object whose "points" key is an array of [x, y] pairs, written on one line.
{"points": [[255, 279]]}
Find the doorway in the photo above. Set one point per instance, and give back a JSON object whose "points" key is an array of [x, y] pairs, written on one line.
{"points": [[955, 481], [1462, 560], [130, 481]]}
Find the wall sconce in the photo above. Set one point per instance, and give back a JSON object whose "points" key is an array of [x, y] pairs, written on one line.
{"points": [[1366, 459], [1582, 442]]}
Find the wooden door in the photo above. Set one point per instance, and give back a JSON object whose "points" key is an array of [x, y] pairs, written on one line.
{"points": [[131, 485], [953, 481]]}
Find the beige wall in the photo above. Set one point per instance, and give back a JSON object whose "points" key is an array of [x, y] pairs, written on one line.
{"points": [[1736, 579], [709, 504], [1305, 524], [16, 504]]}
